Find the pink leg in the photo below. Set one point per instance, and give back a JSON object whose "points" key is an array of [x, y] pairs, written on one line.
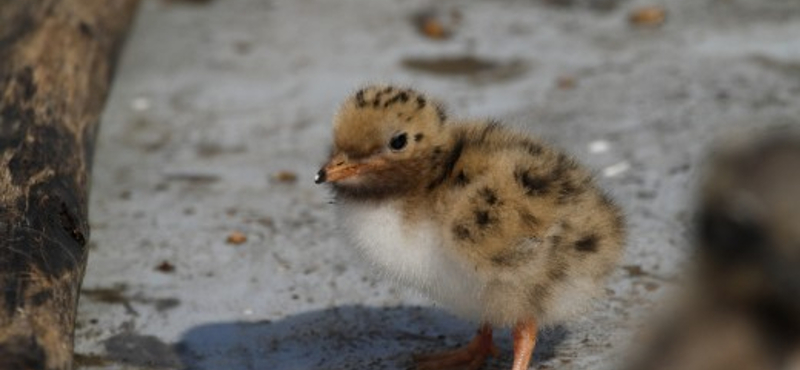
{"points": [[524, 343]]}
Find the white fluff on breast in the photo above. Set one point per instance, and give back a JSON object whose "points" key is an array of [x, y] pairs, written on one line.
{"points": [[412, 253]]}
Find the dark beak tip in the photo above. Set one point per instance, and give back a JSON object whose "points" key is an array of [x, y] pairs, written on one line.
{"points": [[321, 177]]}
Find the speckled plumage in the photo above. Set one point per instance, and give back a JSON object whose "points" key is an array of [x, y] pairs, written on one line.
{"points": [[494, 224]]}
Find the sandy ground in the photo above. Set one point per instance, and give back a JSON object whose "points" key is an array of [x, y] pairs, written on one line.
{"points": [[220, 116]]}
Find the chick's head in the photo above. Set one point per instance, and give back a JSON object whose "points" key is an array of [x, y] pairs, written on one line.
{"points": [[387, 141]]}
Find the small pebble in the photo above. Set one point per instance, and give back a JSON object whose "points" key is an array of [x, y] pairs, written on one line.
{"points": [[616, 169], [649, 16], [566, 83], [285, 176], [140, 104], [165, 267], [236, 238], [599, 146]]}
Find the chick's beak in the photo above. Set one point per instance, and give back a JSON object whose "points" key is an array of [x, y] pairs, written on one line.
{"points": [[340, 168]]}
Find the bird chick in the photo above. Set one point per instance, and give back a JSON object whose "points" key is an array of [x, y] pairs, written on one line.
{"points": [[493, 224], [742, 309]]}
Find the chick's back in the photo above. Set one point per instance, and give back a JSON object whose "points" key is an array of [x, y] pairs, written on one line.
{"points": [[530, 221]]}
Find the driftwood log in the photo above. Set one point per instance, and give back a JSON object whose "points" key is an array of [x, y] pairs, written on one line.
{"points": [[57, 60]]}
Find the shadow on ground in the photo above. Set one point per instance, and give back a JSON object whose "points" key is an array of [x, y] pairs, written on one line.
{"points": [[347, 337]]}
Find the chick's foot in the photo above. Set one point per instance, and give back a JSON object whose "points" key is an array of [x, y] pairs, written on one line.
{"points": [[470, 357]]}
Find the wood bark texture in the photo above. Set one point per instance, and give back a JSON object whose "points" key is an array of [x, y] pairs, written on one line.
{"points": [[57, 60]]}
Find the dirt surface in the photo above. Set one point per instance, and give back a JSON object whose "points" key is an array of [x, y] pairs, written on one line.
{"points": [[220, 118]]}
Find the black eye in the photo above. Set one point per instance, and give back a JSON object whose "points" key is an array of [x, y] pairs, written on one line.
{"points": [[399, 141]]}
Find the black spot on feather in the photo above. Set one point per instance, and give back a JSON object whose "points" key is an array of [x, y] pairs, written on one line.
{"points": [[533, 185], [488, 195], [462, 233], [401, 97], [418, 137], [435, 155], [360, 102], [570, 190], [728, 239], [390, 102], [441, 113], [376, 102], [420, 102], [491, 126], [482, 218], [503, 260], [461, 179], [588, 244], [532, 148], [564, 164], [449, 163], [506, 258], [85, 29]]}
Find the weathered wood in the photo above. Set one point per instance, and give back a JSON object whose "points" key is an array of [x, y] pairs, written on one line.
{"points": [[57, 59]]}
